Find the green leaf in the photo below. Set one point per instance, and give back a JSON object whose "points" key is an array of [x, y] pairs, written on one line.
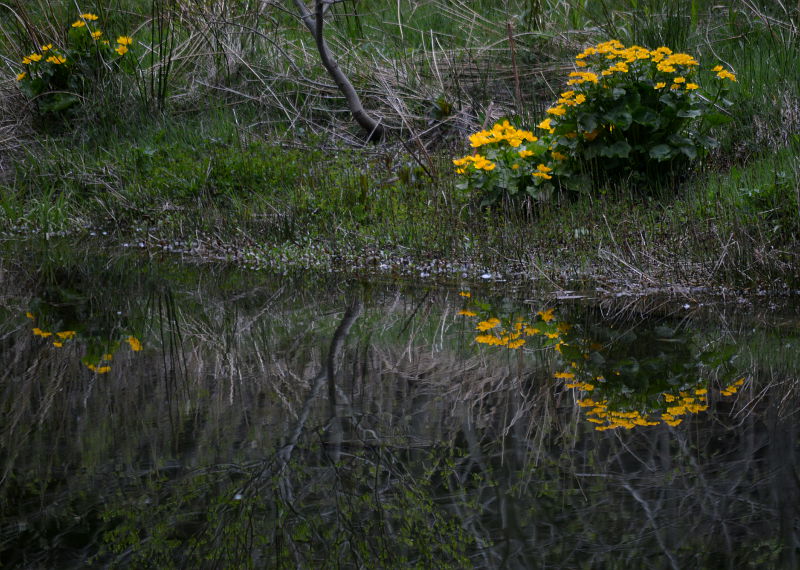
{"points": [[689, 113], [661, 152], [668, 100], [620, 117], [58, 102], [620, 149], [716, 119], [679, 140], [689, 151], [706, 141], [647, 117], [587, 121]]}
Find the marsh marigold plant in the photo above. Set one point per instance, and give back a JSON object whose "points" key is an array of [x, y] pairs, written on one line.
{"points": [[623, 111], [59, 77]]}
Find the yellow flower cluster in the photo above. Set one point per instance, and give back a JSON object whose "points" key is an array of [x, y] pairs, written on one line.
{"points": [[570, 98], [479, 162], [542, 172], [135, 343], [61, 336], [122, 44], [722, 73], [500, 132], [495, 334], [733, 388], [579, 77], [614, 419], [623, 57], [99, 369]]}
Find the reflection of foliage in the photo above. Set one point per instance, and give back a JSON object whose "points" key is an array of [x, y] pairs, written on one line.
{"points": [[364, 511], [629, 378], [508, 330], [98, 350]]}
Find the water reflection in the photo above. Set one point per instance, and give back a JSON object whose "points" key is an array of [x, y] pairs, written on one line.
{"points": [[274, 422], [624, 378]]}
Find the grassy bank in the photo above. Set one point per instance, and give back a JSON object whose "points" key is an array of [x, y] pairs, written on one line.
{"points": [[243, 146]]}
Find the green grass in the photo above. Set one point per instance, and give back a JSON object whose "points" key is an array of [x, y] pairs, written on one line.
{"points": [[252, 155]]}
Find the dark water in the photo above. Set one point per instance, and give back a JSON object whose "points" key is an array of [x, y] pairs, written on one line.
{"points": [[198, 416]]}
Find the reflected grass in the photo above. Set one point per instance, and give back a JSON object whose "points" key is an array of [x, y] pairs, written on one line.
{"points": [[218, 441]]}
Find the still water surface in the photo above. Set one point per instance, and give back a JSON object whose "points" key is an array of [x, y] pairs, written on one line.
{"points": [[158, 414]]}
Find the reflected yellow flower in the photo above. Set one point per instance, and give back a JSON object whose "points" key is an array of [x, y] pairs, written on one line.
{"points": [[134, 343], [547, 315]]}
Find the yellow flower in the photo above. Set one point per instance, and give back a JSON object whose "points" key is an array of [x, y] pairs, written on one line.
{"points": [[102, 369], [525, 153], [468, 313], [78, 24], [557, 110], [691, 86], [543, 168], [121, 50], [565, 376], [717, 68], [726, 75], [58, 344], [466, 294], [56, 59], [124, 40], [558, 156], [546, 125], [39, 332], [35, 57], [20, 77], [97, 34], [679, 80], [136, 345], [66, 335], [489, 324], [516, 343], [91, 17], [47, 47], [29, 315], [547, 315]]}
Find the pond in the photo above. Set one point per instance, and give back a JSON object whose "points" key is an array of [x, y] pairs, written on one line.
{"points": [[158, 413]]}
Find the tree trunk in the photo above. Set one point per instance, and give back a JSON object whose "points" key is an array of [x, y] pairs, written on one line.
{"points": [[375, 130]]}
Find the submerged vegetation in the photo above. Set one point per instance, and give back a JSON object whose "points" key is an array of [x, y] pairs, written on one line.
{"points": [[216, 125]]}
